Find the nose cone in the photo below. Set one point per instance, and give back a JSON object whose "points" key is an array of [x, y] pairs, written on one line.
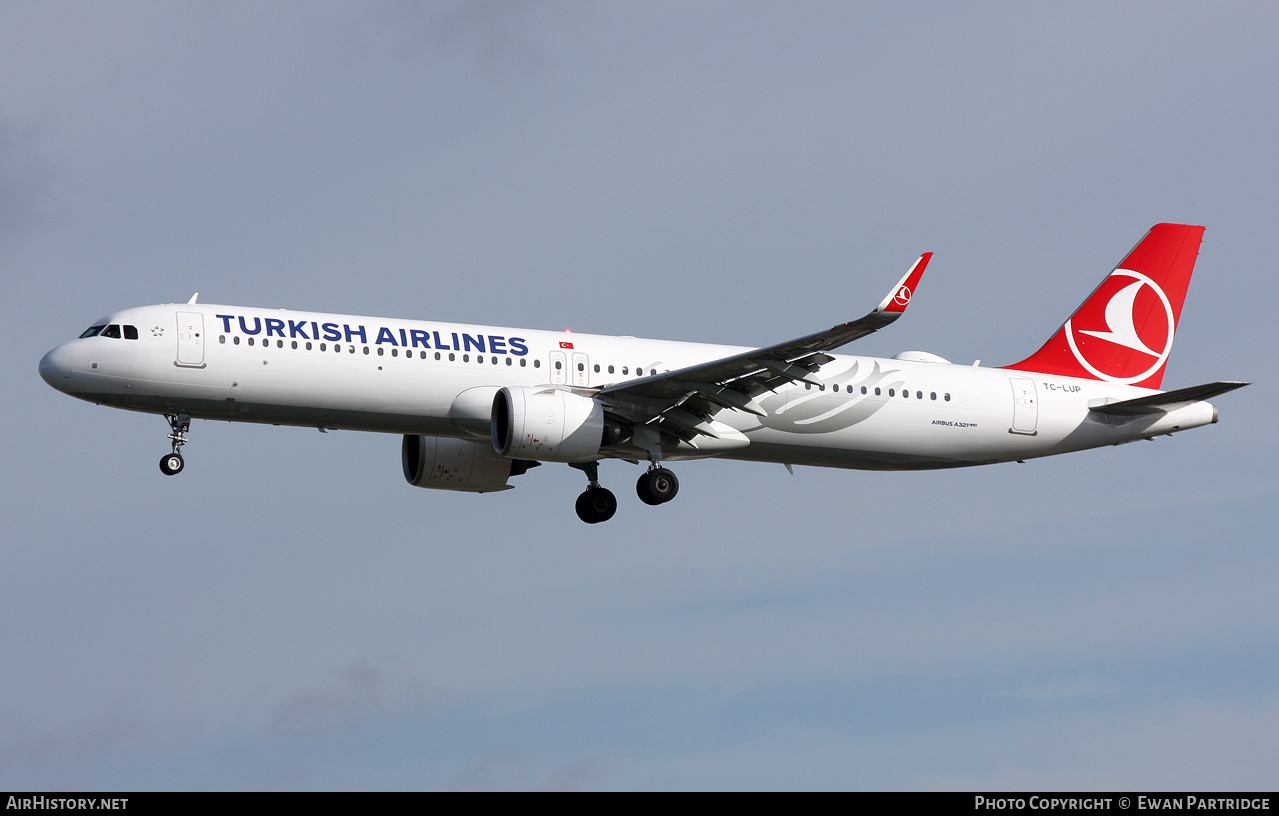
{"points": [[55, 368]]}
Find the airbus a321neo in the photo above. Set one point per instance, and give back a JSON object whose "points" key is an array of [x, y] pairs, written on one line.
{"points": [[477, 405]]}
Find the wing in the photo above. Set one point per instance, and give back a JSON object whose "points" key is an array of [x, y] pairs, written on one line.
{"points": [[683, 403]]}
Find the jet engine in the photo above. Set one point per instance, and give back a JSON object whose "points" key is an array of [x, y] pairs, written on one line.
{"points": [[457, 464], [550, 424]]}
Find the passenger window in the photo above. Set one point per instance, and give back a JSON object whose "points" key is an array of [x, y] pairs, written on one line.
{"points": [[324, 347], [452, 356], [130, 332], [437, 355], [250, 341], [236, 340], [536, 363], [222, 339], [581, 367], [863, 389], [932, 395], [808, 386], [295, 344], [919, 395], [877, 390], [948, 397], [112, 331], [308, 346], [610, 369], [380, 351], [892, 392], [92, 331], [508, 360], [625, 370], [597, 368], [366, 350], [523, 362], [466, 358], [558, 365]]}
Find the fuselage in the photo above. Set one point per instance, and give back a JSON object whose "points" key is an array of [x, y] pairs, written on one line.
{"points": [[411, 377]]}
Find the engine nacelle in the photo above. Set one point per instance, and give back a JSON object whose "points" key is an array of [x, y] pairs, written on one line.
{"points": [[547, 424], [457, 464]]}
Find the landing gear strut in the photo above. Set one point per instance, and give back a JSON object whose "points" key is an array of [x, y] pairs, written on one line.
{"points": [[657, 486], [596, 503], [171, 464]]}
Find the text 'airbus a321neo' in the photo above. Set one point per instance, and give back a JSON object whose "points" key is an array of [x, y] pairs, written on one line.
{"points": [[477, 405]]}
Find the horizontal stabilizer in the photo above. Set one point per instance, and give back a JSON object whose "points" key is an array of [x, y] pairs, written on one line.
{"points": [[1168, 400]]}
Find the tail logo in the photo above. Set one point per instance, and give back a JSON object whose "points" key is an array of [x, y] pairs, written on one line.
{"points": [[1112, 315], [903, 295]]}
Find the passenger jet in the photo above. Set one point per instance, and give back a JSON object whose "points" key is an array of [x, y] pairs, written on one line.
{"points": [[477, 405]]}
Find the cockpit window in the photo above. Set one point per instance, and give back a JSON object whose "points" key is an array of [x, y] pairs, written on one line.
{"points": [[92, 331], [112, 331], [130, 332]]}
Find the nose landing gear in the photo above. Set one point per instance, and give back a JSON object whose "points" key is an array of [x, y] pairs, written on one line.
{"points": [[171, 464]]}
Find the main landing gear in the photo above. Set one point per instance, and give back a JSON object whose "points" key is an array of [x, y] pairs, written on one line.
{"points": [[596, 503], [171, 464], [656, 486]]}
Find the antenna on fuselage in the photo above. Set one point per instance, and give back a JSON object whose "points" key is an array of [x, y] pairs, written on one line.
{"points": [[194, 298]]}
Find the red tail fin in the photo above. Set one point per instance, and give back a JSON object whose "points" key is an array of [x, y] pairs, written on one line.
{"points": [[1123, 332]]}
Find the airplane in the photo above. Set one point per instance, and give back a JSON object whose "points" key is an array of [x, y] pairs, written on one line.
{"points": [[478, 405]]}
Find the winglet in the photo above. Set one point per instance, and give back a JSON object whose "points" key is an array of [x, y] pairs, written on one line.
{"points": [[899, 298]]}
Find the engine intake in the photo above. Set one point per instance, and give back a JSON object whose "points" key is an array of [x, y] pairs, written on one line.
{"points": [[547, 424]]}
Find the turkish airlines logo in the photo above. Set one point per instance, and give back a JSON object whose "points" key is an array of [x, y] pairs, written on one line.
{"points": [[1111, 314], [902, 297]]}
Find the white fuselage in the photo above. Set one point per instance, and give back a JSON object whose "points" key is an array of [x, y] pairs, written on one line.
{"points": [[411, 377]]}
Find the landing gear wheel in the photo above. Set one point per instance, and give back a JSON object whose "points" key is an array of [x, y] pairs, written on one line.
{"points": [[171, 464], [596, 504], [657, 486]]}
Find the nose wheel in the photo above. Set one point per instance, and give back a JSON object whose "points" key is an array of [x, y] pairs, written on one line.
{"points": [[171, 464]]}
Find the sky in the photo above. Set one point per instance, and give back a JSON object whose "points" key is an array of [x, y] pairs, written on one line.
{"points": [[289, 614]]}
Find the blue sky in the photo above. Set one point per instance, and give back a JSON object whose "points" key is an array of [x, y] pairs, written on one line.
{"points": [[290, 614]]}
